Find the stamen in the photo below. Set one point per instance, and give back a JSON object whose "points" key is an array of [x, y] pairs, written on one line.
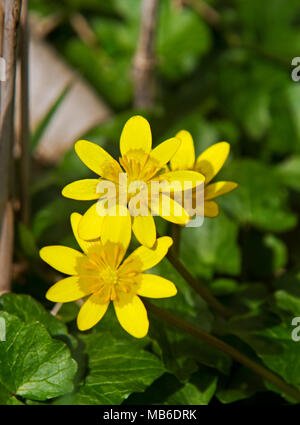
{"points": [[97, 288], [132, 274]]}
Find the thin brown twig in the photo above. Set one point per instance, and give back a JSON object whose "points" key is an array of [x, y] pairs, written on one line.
{"points": [[1, 25], [83, 30], [57, 306], [79, 302], [55, 309], [205, 10], [24, 107], [41, 27], [144, 60], [6, 248], [11, 10]]}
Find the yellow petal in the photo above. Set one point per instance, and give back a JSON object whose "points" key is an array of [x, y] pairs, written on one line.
{"points": [[184, 158], [145, 258], [98, 160], [162, 154], [132, 315], [211, 209], [91, 312], [170, 210], [144, 229], [136, 136], [82, 190], [212, 160], [90, 226], [217, 189], [153, 286], [116, 232], [62, 258], [181, 180], [84, 245], [70, 289]]}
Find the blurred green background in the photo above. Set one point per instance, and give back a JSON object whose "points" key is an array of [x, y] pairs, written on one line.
{"points": [[230, 81], [226, 78]]}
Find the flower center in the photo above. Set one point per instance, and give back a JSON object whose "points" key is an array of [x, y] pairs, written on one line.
{"points": [[111, 283], [140, 169], [109, 276], [139, 166]]}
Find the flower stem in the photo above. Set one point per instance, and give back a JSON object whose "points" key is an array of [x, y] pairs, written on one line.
{"points": [[56, 308], [205, 293], [225, 348]]}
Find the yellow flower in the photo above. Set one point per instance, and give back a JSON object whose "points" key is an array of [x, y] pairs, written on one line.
{"points": [[140, 163], [208, 163], [101, 274]]}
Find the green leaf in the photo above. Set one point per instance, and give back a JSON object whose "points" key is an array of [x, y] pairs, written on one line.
{"points": [[223, 286], [242, 384], [178, 51], [272, 342], [68, 312], [182, 353], [198, 391], [284, 135], [260, 199], [279, 352], [30, 311], [186, 303], [247, 297], [6, 398], [279, 249], [287, 296], [157, 392], [32, 364], [117, 367], [288, 172], [103, 70], [256, 115], [288, 302], [128, 9], [26, 241], [212, 246], [264, 23], [293, 93]]}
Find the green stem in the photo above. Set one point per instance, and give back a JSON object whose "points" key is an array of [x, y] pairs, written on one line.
{"points": [[200, 289], [225, 348]]}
